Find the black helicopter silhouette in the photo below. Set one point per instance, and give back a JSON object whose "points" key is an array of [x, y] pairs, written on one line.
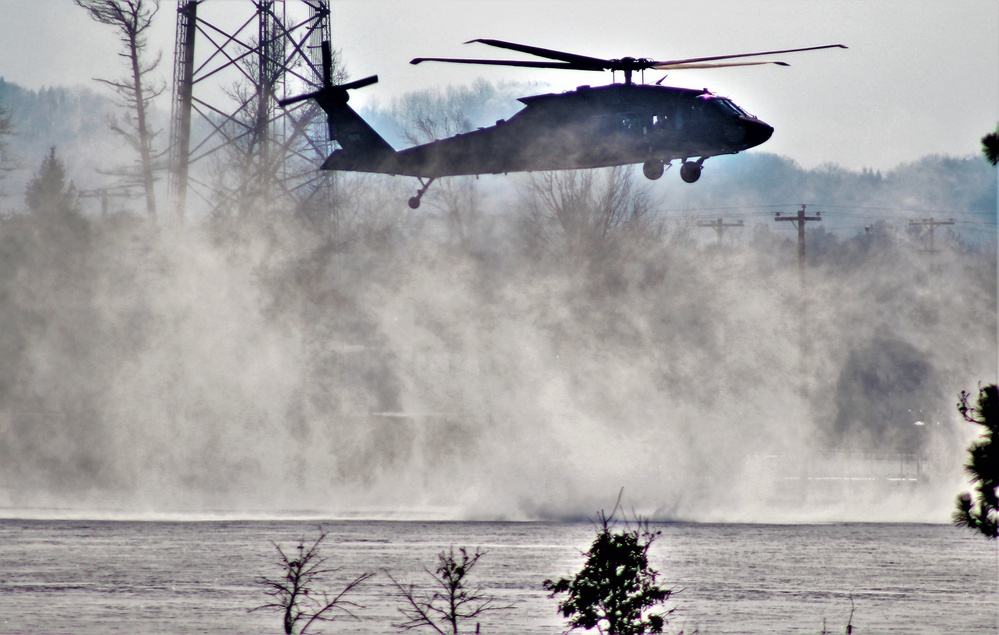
{"points": [[590, 127]]}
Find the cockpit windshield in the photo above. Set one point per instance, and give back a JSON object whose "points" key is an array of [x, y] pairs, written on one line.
{"points": [[728, 107]]}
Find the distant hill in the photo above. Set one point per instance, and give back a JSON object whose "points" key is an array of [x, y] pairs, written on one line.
{"points": [[51, 115], [759, 184]]}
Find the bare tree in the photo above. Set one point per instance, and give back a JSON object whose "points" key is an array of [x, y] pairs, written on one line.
{"points": [[580, 212], [454, 604], [295, 595], [264, 154], [132, 19], [430, 115]]}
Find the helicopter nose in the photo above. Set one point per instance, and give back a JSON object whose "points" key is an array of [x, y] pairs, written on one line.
{"points": [[757, 132]]}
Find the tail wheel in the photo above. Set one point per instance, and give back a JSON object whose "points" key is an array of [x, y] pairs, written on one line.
{"points": [[414, 202]]}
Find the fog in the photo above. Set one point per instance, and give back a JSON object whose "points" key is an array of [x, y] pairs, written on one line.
{"points": [[486, 357]]}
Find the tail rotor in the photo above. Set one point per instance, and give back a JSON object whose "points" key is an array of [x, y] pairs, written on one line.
{"points": [[329, 96]]}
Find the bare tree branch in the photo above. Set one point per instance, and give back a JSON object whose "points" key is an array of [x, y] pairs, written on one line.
{"points": [[294, 594], [445, 611], [581, 213]]}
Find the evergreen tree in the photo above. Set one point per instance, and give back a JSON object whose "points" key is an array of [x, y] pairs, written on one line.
{"points": [[48, 192], [990, 147], [980, 511]]}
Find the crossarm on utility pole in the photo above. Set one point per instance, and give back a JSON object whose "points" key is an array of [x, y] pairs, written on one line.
{"points": [[932, 224], [719, 226]]}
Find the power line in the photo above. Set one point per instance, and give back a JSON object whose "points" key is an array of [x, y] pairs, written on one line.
{"points": [[896, 213]]}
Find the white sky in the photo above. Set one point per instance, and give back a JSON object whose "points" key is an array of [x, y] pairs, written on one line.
{"points": [[920, 77]]}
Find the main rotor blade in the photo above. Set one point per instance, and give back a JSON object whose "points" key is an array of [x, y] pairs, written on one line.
{"points": [[693, 65], [329, 92], [562, 56], [359, 83], [521, 63], [327, 53], [294, 100], [729, 57]]}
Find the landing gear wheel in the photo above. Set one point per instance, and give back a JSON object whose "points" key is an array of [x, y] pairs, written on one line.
{"points": [[414, 202], [690, 171], [653, 169]]}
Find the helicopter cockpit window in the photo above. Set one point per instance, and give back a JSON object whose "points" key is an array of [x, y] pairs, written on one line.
{"points": [[728, 107]]}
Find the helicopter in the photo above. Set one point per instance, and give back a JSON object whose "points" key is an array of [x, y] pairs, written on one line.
{"points": [[589, 127]]}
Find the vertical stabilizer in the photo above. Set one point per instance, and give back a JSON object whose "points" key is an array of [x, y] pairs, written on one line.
{"points": [[359, 142], [353, 133]]}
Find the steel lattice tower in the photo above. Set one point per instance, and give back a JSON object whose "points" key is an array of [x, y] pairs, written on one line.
{"points": [[232, 148]]}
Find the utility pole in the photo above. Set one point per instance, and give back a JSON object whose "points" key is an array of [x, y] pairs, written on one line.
{"points": [[104, 194], [799, 221], [719, 226], [932, 224]]}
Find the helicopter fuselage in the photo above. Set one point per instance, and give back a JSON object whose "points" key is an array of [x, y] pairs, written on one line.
{"points": [[613, 125], [603, 126]]}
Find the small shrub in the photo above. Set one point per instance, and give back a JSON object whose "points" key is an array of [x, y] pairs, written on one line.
{"points": [[616, 591]]}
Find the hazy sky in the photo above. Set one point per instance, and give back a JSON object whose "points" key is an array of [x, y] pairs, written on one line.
{"points": [[920, 77]]}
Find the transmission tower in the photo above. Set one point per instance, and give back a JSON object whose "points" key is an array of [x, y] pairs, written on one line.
{"points": [[232, 148]]}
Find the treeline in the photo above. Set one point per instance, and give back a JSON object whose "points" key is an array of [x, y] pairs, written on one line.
{"points": [[56, 114], [961, 187], [76, 121]]}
